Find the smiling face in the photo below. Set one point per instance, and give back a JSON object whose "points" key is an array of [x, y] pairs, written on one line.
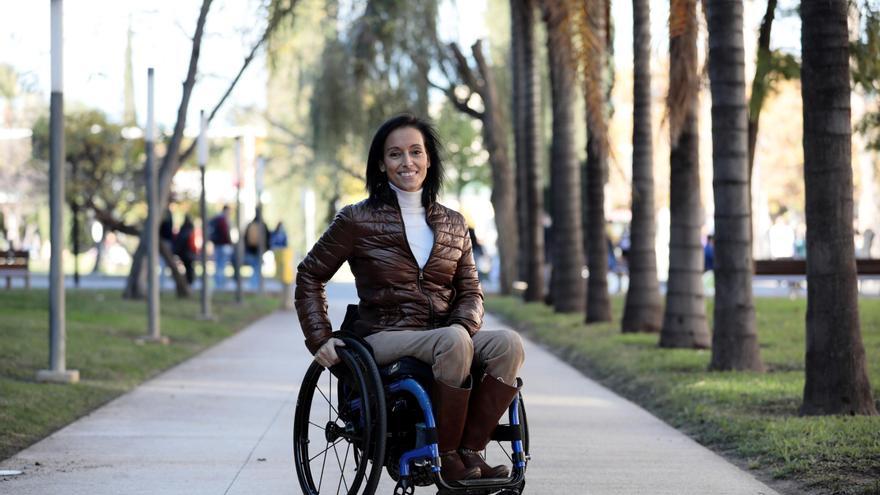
{"points": [[405, 160]]}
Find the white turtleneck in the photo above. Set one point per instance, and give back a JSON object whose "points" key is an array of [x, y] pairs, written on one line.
{"points": [[418, 233]]}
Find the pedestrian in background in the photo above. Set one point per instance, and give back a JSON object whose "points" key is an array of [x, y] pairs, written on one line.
{"points": [[166, 239], [218, 232], [185, 248], [256, 237]]}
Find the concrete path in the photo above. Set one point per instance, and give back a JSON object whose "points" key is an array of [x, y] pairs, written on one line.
{"points": [[221, 424]]}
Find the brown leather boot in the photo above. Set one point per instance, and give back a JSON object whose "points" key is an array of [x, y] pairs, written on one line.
{"points": [[450, 411], [490, 399]]}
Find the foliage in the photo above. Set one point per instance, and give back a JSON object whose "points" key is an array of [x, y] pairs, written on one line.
{"points": [[101, 174], [753, 416], [464, 160], [101, 328], [772, 66], [865, 56]]}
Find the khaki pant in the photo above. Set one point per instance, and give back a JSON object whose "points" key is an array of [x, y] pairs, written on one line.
{"points": [[450, 351]]}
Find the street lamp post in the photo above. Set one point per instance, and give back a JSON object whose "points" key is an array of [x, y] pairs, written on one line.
{"points": [[151, 230], [261, 166], [203, 159], [57, 372], [239, 245]]}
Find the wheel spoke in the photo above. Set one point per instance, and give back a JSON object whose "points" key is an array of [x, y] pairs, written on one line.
{"points": [[325, 450], [505, 452], [331, 409], [324, 463], [341, 471]]}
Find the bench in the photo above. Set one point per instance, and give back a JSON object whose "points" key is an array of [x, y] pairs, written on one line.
{"points": [[793, 272], [791, 266], [15, 264]]}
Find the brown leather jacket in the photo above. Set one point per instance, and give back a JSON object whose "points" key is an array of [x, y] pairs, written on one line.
{"points": [[394, 293]]}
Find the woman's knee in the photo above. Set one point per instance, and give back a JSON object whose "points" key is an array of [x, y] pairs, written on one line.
{"points": [[455, 340], [509, 344]]}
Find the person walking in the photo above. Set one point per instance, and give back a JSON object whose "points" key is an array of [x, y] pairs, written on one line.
{"points": [[166, 241], [185, 248], [420, 295], [219, 236], [256, 238]]}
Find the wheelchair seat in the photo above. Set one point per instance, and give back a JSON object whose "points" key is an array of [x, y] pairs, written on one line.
{"points": [[408, 367]]}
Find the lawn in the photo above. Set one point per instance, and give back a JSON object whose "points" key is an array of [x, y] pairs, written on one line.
{"points": [[752, 417], [102, 329]]}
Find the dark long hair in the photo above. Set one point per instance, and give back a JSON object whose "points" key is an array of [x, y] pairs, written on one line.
{"points": [[377, 180]]}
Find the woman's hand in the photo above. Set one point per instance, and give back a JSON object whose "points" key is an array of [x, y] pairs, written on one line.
{"points": [[326, 355]]}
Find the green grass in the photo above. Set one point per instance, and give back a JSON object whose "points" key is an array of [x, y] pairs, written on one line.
{"points": [[101, 332], [750, 416]]}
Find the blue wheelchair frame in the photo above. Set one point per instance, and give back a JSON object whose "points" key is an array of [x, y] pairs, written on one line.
{"points": [[429, 453]]}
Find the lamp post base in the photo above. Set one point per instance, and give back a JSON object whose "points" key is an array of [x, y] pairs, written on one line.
{"points": [[53, 376], [149, 339]]}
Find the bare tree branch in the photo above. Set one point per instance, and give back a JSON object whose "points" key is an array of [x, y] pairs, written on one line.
{"points": [[464, 70], [274, 19]]}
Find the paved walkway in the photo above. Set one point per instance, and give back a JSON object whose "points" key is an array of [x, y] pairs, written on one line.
{"points": [[221, 424]]}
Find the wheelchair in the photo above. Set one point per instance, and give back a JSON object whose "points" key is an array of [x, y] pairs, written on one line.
{"points": [[355, 419]]}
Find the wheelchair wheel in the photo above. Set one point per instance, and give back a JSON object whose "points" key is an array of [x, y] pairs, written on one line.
{"points": [[339, 426]]}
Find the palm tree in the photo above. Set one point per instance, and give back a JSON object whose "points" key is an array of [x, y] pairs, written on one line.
{"points": [[595, 37], [684, 319], [568, 289], [526, 104], [642, 312], [836, 374], [735, 334]]}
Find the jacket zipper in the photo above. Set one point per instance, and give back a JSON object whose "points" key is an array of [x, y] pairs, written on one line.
{"points": [[416, 263]]}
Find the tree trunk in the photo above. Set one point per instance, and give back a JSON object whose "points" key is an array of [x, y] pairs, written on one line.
{"points": [[503, 175], [642, 311], [99, 251], [734, 332], [836, 372], [684, 319], [134, 286], [528, 103], [759, 83], [181, 286], [568, 286], [517, 111], [598, 301]]}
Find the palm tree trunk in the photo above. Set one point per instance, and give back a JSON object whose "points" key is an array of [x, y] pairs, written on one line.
{"points": [[735, 334], [596, 240], [534, 183], [642, 311], [684, 320], [568, 286], [836, 373], [517, 111], [598, 301]]}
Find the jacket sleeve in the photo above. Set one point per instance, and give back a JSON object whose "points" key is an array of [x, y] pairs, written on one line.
{"points": [[467, 310], [332, 249]]}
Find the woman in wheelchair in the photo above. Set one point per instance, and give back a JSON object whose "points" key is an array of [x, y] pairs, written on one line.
{"points": [[419, 294]]}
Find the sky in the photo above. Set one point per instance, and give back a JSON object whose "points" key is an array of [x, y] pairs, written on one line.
{"points": [[95, 40], [95, 33]]}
